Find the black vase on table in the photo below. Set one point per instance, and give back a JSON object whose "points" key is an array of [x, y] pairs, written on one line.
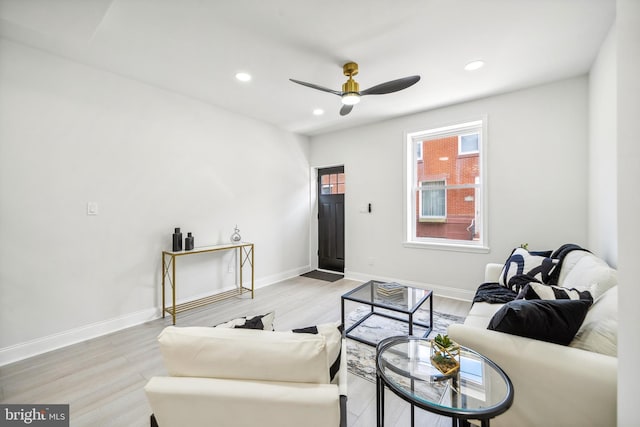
{"points": [[188, 242], [177, 240]]}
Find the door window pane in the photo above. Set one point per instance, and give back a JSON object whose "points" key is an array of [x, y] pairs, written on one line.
{"points": [[332, 183]]}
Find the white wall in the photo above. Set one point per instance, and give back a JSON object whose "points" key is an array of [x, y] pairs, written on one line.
{"points": [[628, 108], [537, 184], [603, 179], [152, 160]]}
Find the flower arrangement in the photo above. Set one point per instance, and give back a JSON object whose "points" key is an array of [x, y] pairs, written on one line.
{"points": [[445, 354]]}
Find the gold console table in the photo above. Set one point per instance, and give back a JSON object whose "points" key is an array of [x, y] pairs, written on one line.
{"points": [[245, 255]]}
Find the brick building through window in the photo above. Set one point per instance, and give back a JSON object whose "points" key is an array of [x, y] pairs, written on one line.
{"points": [[447, 197]]}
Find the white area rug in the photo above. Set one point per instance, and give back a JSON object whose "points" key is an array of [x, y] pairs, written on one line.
{"points": [[361, 357]]}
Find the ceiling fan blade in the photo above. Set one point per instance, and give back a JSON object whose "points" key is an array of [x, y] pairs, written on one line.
{"points": [[312, 86], [346, 109], [391, 86]]}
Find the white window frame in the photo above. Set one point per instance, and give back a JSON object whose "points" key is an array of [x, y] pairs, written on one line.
{"points": [[419, 155], [477, 125]]}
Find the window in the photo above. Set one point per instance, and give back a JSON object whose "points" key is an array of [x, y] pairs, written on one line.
{"points": [[444, 192], [433, 200], [468, 144], [332, 184]]}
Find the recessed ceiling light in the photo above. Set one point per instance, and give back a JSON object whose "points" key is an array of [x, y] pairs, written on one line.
{"points": [[474, 65], [243, 77], [318, 112]]}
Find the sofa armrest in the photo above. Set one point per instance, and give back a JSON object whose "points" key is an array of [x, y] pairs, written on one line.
{"points": [[203, 402], [553, 384], [492, 272]]}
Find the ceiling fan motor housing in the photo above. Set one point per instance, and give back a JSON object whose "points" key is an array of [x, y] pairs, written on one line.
{"points": [[350, 69], [351, 86]]}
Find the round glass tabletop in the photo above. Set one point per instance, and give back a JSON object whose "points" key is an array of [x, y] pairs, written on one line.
{"points": [[479, 389]]}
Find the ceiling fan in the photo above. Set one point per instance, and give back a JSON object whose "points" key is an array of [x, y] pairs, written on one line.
{"points": [[351, 93]]}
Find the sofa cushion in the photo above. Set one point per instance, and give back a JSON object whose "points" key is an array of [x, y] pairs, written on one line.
{"points": [[548, 292], [522, 262], [480, 314], [599, 331], [261, 321], [244, 354], [590, 273], [555, 321]]}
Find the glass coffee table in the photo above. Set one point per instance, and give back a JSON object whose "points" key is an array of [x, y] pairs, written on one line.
{"points": [[389, 300], [479, 390]]}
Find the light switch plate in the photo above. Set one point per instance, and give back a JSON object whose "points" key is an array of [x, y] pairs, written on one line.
{"points": [[92, 208]]}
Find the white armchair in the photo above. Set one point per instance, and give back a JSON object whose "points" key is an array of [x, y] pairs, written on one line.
{"points": [[240, 377]]}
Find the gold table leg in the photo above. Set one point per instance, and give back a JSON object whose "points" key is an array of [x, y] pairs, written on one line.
{"points": [[173, 288]]}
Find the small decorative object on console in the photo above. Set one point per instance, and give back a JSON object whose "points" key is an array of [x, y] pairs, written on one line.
{"points": [[188, 242], [177, 240], [445, 354], [235, 237]]}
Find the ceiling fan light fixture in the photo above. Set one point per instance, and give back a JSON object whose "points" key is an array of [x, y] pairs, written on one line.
{"points": [[350, 98], [350, 93]]}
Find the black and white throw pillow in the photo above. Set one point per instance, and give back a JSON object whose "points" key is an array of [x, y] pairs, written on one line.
{"points": [[263, 321], [547, 292], [534, 266], [332, 333], [555, 321]]}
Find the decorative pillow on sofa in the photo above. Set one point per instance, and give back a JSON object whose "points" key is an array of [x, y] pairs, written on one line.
{"points": [[599, 331], [332, 332], [522, 262], [263, 321], [555, 321], [548, 292], [590, 273]]}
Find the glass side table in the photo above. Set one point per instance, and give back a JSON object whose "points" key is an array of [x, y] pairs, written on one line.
{"points": [[479, 390]]}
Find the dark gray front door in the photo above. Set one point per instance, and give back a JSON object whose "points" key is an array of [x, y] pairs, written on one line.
{"points": [[331, 189]]}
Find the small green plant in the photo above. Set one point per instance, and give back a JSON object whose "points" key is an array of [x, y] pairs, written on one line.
{"points": [[445, 362], [443, 341], [445, 354], [525, 246]]}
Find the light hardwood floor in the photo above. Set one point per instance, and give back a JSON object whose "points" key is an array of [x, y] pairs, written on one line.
{"points": [[102, 379]]}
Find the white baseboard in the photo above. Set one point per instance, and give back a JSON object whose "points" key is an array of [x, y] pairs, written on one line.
{"points": [[461, 294], [279, 277], [32, 348]]}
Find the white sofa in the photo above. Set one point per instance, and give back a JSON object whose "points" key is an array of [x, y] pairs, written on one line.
{"points": [[556, 385], [240, 377]]}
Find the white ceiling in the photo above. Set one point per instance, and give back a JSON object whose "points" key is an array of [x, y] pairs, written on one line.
{"points": [[195, 47]]}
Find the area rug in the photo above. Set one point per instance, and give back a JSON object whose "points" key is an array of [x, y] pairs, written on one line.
{"points": [[323, 275], [361, 357]]}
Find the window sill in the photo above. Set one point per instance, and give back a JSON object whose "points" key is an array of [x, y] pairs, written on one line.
{"points": [[433, 220], [455, 247]]}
